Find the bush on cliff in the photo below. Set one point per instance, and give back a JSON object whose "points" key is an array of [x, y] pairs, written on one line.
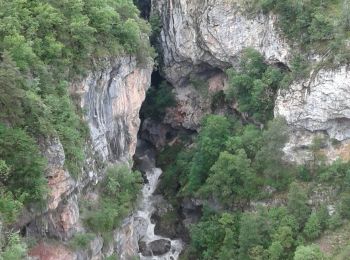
{"points": [[119, 192], [44, 45]]}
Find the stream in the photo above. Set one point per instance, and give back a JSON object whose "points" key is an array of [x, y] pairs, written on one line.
{"points": [[140, 229]]}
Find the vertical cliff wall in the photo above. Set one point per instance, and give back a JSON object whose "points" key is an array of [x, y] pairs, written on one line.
{"points": [[318, 106], [110, 97], [200, 40]]}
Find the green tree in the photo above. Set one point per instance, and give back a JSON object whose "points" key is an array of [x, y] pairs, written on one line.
{"points": [[297, 203], [269, 162], [231, 179], [323, 216], [249, 139], [275, 251], [216, 237], [311, 252], [22, 156], [254, 85], [210, 142], [254, 231], [312, 229], [283, 243]]}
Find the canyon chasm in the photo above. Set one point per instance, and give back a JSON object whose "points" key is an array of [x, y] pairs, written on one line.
{"points": [[198, 40]]}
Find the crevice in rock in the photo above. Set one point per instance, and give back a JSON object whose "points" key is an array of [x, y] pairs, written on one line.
{"points": [[144, 7]]}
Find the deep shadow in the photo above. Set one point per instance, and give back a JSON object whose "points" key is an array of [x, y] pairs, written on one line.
{"points": [[144, 7]]}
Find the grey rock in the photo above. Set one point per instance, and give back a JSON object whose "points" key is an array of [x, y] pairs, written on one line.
{"points": [[212, 34], [317, 106], [160, 247], [144, 250], [201, 39], [112, 97]]}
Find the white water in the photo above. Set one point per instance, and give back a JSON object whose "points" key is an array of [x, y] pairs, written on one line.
{"points": [[145, 212], [138, 227]]}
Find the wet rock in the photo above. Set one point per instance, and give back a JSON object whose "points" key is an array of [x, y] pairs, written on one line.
{"points": [[144, 250], [168, 221], [160, 247]]}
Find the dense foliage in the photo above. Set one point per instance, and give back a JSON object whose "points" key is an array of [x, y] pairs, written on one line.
{"points": [[44, 45], [12, 247], [254, 85], [119, 192], [318, 26], [158, 99], [236, 161], [232, 165]]}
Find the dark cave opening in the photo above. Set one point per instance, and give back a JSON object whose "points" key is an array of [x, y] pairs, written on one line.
{"points": [[144, 7], [156, 80]]}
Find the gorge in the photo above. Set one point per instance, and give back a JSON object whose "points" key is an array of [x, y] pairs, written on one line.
{"points": [[232, 142]]}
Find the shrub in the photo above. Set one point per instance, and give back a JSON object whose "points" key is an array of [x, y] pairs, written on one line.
{"points": [[297, 203], [9, 207], [312, 229], [81, 240], [345, 205], [335, 221], [14, 248], [254, 85], [25, 164], [119, 193], [158, 99], [311, 252]]}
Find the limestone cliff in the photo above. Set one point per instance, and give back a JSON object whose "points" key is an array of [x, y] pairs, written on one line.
{"points": [[318, 105], [111, 97], [200, 39]]}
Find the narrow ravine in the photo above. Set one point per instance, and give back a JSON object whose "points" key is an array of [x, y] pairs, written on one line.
{"points": [[151, 246]]}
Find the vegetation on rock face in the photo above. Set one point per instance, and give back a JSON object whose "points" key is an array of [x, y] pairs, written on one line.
{"points": [[12, 247], [118, 194], [233, 164], [158, 99], [81, 241], [43, 46], [319, 26], [254, 85]]}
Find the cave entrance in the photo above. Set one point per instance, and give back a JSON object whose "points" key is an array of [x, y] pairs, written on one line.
{"points": [[144, 7]]}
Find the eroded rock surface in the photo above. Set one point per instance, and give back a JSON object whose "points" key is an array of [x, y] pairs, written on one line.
{"points": [[318, 106], [211, 34], [112, 98], [201, 39]]}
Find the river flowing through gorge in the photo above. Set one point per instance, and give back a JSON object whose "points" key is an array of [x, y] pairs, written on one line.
{"points": [[141, 226]]}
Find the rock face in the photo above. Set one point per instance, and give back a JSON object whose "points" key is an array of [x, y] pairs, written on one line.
{"points": [[319, 105], [111, 98], [203, 38], [200, 39], [59, 180], [160, 247], [208, 34]]}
